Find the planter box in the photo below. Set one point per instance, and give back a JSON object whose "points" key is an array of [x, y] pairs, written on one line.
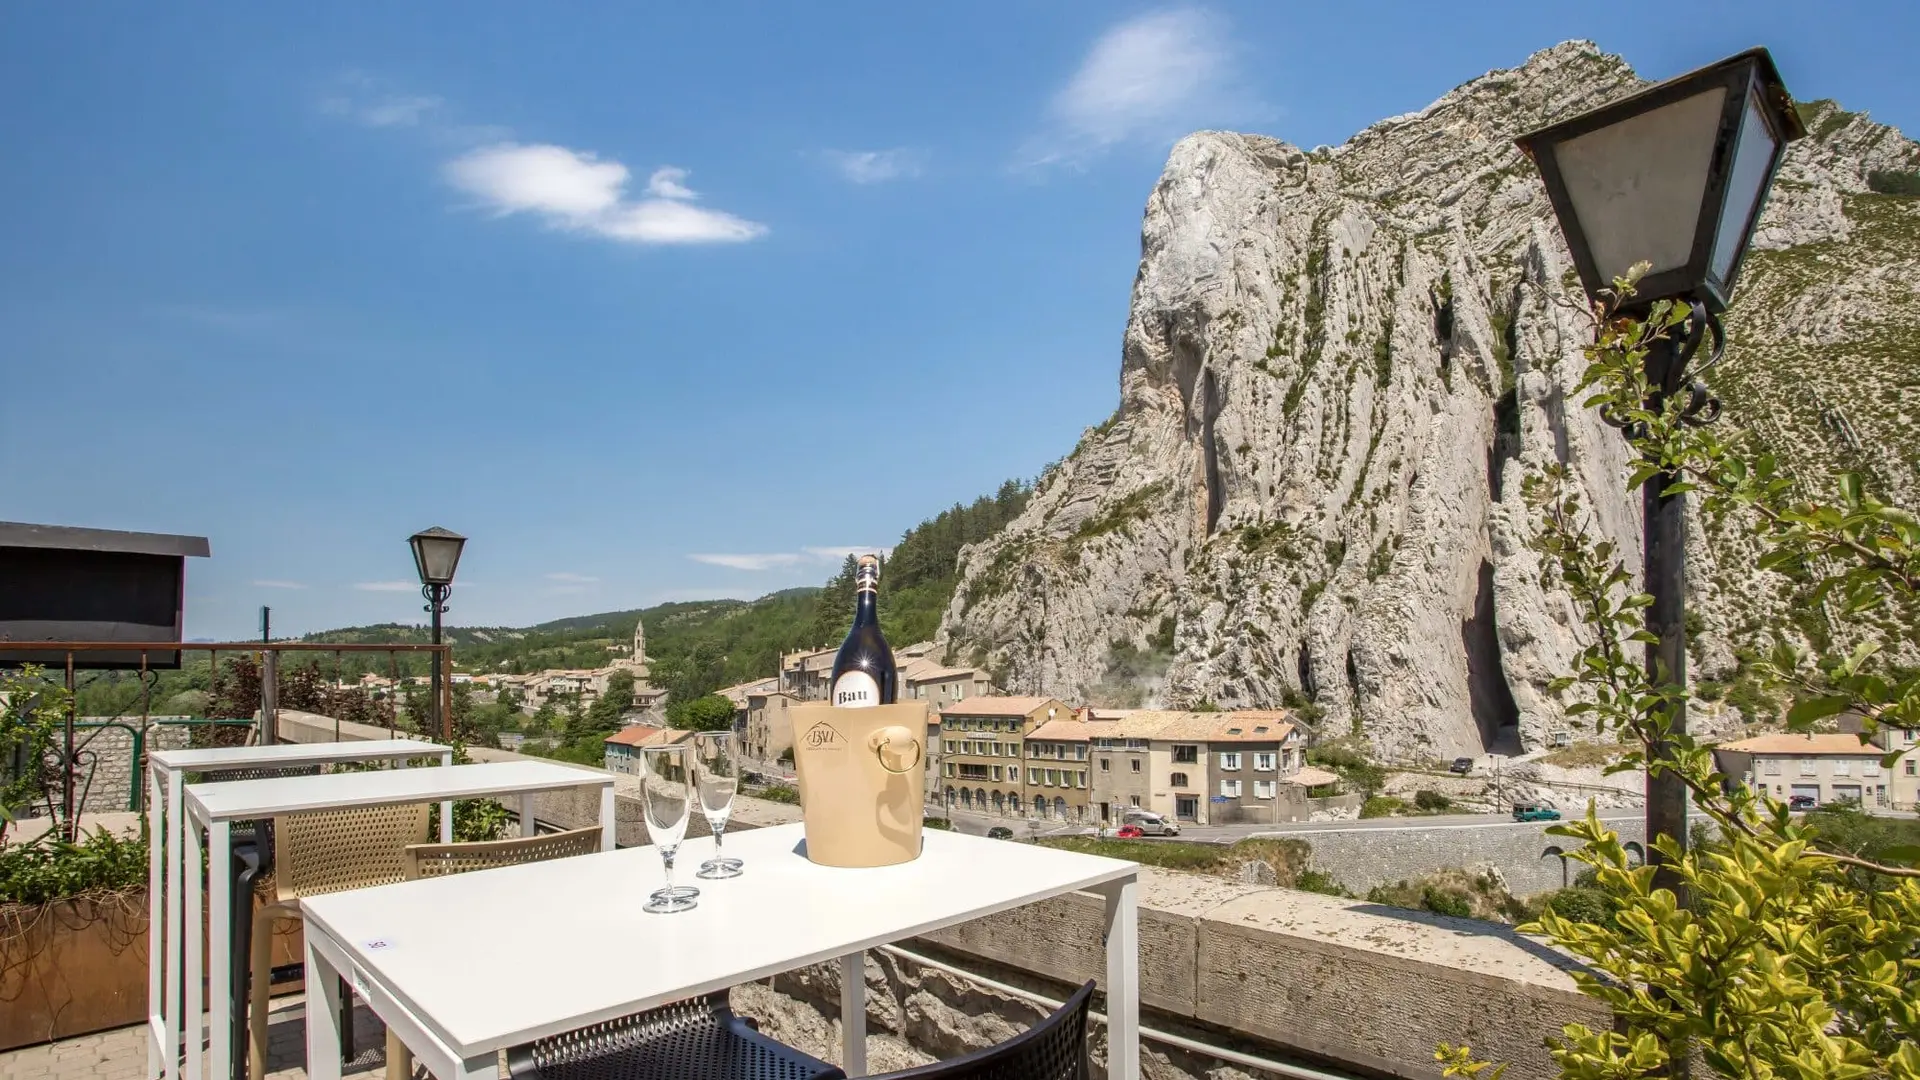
{"points": [[78, 966]]}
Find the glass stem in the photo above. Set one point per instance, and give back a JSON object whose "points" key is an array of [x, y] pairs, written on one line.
{"points": [[667, 858]]}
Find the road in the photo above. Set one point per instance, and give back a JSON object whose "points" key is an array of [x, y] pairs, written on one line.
{"points": [[978, 824]]}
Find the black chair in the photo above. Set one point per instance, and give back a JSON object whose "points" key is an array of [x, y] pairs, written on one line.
{"points": [[1053, 1049], [700, 1039], [703, 1040]]}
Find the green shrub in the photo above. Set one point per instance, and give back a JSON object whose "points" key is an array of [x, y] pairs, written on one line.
{"points": [[1382, 806], [939, 823], [48, 868], [1446, 902], [1319, 881], [1888, 182], [1431, 802], [778, 793], [1584, 905]]}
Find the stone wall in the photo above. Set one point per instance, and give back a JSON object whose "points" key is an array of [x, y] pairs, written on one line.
{"points": [[109, 778], [1362, 857]]}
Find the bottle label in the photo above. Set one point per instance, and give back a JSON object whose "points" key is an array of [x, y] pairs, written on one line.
{"points": [[855, 690]]}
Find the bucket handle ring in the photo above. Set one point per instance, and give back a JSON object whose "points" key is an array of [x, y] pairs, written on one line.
{"points": [[878, 741]]}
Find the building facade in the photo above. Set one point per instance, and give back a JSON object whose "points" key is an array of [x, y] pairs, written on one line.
{"points": [[1059, 770], [767, 735], [982, 754], [1121, 749], [1827, 768], [1202, 768], [1904, 780], [944, 687]]}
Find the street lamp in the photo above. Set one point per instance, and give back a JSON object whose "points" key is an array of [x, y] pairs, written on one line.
{"points": [[1675, 176], [436, 554]]}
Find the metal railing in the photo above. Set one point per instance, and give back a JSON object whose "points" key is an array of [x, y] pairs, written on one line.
{"points": [[73, 761]]}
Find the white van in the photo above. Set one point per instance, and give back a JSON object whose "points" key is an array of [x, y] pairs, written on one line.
{"points": [[1151, 824]]}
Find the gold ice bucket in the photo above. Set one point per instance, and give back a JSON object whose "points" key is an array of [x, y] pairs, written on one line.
{"points": [[862, 781]]}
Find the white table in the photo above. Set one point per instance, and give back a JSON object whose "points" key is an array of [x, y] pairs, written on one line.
{"points": [[216, 806], [429, 958], [165, 856]]}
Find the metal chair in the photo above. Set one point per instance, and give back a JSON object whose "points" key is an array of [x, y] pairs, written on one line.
{"points": [[441, 860], [700, 1039], [1053, 1049], [323, 852]]}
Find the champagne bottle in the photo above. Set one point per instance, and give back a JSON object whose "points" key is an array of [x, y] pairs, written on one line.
{"points": [[863, 673]]}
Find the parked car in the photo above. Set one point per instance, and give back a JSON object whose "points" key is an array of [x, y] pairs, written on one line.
{"points": [[999, 832], [1534, 812], [1802, 802], [1150, 823], [1129, 832], [1461, 765]]}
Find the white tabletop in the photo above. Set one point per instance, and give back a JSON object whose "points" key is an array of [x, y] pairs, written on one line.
{"points": [[281, 755], [238, 799], [437, 945]]}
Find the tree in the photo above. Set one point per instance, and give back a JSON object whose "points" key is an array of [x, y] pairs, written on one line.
{"points": [[31, 705], [710, 713], [543, 720], [603, 716], [1795, 956]]}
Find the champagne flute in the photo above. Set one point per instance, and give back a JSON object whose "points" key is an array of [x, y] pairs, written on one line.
{"points": [[665, 773], [719, 778]]}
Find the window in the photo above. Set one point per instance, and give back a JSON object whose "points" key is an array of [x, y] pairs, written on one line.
{"points": [[1081, 778], [1179, 779], [1079, 751], [1230, 762], [1230, 788], [1106, 764], [1806, 766], [1843, 768], [1870, 768], [1136, 768], [996, 772], [1033, 776], [1263, 789], [1263, 762], [970, 771], [1186, 807], [1911, 770], [949, 768], [1136, 744], [1050, 777], [1186, 755], [1135, 799], [1772, 767]]}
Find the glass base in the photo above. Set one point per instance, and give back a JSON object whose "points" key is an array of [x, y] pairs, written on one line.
{"points": [[720, 868], [668, 901]]}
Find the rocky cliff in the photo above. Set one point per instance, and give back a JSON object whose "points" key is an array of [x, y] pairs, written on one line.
{"points": [[1338, 367]]}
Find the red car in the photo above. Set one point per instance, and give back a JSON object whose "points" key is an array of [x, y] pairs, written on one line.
{"points": [[1129, 832]]}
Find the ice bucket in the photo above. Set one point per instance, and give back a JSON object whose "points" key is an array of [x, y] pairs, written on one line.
{"points": [[862, 781]]}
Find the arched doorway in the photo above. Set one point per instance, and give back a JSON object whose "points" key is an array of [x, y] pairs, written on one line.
{"points": [[1553, 852], [999, 802], [1059, 808]]}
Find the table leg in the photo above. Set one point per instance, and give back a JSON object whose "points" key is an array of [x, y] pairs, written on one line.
{"points": [[157, 1042], [220, 949], [446, 808], [323, 1017], [1123, 978], [173, 831], [527, 826], [194, 914], [608, 825], [853, 1014]]}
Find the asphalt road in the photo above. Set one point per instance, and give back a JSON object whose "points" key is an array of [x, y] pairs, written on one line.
{"points": [[978, 824]]}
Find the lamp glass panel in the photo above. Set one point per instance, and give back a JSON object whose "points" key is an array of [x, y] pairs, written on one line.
{"points": [[1746, 186], [438, 557], [1636, 185]]}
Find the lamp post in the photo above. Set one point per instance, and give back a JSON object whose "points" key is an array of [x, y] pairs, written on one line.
{"points": [[1676, 176], [436, 554]]}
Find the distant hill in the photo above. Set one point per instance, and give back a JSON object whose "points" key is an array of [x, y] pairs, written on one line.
{"points": [[699, 646]]}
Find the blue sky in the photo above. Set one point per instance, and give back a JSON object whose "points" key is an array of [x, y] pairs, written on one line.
{"points": [[652, 302]]}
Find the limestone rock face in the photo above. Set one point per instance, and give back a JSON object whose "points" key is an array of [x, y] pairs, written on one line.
{"points": [[1338, 369]]}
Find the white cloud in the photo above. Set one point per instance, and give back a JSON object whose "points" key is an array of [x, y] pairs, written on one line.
{"points": [[386, 586], [877, 166], [1151, 77], [838, 553], [576, 579], [575, 190], [272, 584], [365, 99], [665, 182], [749, 562]]}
